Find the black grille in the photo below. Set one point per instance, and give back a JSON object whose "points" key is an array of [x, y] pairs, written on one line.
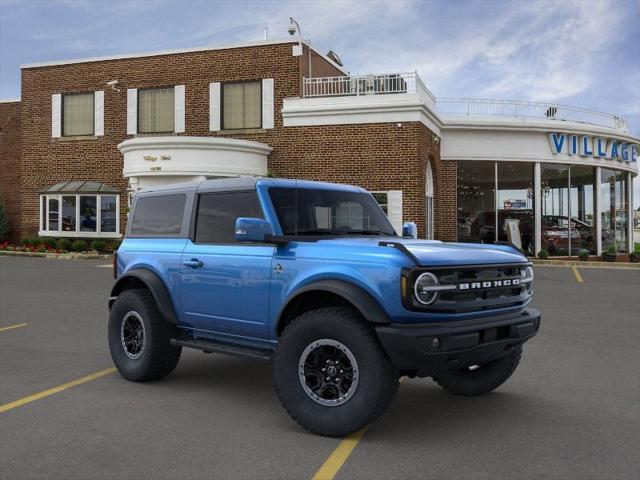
{"points": [[483, 288]]}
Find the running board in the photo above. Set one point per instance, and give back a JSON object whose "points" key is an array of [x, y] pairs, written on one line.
{"points": [[213, 346]]}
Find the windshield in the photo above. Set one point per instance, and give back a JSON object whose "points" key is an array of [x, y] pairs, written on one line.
{"points": [[328, 212]]}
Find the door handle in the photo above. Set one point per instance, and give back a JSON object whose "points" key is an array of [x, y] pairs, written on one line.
{"points": [[193, 263]]}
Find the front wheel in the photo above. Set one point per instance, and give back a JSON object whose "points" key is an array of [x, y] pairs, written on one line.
{"points": [[480, 379], [331, 374]]}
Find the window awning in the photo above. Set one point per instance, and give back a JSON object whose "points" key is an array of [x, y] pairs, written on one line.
{"points": [[81, 186]]}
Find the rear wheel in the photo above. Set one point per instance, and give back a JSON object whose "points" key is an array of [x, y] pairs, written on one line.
{"points": [[139, 339], [331, 374], [480, 379]]}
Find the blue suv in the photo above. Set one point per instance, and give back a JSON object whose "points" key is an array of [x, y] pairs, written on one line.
{"points": [[312, 277]]}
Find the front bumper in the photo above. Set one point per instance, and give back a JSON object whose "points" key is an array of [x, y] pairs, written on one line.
{"points": [[427, 349]]}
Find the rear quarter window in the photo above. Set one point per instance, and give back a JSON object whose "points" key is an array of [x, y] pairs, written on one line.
{"points": [[161, 215]]}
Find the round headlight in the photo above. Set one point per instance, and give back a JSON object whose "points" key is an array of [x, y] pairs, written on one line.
{"points": [[423, 288]]}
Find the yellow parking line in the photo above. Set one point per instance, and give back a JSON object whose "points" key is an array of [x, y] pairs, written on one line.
{"points": [[11, 327], [37, 396], [339, 456], [334, 463], [577, 274]]}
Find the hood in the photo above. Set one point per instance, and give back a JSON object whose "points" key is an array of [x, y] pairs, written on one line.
{"points": [[436, 253]]}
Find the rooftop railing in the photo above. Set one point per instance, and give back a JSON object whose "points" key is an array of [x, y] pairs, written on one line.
{"points": [[357, 85], [528, 109], [402, 83]]}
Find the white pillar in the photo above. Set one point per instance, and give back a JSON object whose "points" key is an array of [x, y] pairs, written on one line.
{"points": [[537, 207], [598, 213], [630, 211]]}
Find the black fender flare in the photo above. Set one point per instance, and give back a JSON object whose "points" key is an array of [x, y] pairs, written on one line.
{"points": [[155, 285], [368, 307]]}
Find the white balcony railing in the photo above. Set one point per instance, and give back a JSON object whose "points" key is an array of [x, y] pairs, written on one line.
{"points": [[525, 108], [403, 83], [357, 85]]}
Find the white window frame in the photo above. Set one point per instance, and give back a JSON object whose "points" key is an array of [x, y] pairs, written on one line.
{"points": [[78, 233], [396, 208], [98, 115]]}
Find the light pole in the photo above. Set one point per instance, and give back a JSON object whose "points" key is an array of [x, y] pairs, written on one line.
{"points": [[294, 27]]}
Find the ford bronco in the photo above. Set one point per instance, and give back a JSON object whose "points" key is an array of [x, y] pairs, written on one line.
{"points": [[312, 277]]}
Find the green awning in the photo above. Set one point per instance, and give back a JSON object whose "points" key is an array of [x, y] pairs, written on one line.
{"points": [[81, 186]]}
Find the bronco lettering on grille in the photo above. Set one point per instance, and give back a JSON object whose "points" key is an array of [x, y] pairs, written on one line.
{"points": [[512, 282]]}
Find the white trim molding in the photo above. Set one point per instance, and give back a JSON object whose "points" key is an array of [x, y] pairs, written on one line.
{"points": [[268, 113], [391, 108], [214, 107], [132, 111], [179, 111], [56, 115], [187, 157], [98, 112]]}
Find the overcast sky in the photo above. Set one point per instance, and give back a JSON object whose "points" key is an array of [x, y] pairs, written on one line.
{"points": [[579, 52]]}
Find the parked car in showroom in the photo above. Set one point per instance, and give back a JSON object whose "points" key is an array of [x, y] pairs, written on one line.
{"points": [[312, 277]]}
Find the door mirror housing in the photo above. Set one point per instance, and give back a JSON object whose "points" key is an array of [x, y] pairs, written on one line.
{"points": [[255, 230], [409, 230]]}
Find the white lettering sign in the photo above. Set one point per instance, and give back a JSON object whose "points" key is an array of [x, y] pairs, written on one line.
{"points": [[597, 147]]}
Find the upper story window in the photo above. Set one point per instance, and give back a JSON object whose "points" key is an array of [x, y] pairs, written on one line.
{"points": [[241, 105], [156, 110], [78, 114], [218, 212]]}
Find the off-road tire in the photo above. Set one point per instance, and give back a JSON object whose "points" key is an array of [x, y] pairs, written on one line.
{"points": [[485, 379], [378, 378], [158, 357]]}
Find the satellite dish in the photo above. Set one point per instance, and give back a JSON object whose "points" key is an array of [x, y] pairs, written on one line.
{"points": [[333, 56]]}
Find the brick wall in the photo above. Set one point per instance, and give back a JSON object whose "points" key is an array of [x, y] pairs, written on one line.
{"points": [[445, 186], [10, 161], [375, 156]]}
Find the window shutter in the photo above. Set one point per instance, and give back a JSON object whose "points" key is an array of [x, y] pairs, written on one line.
{"points": [[214, 106], [179, 124], [56, 115], [132, 111], [267, 103], [98, 111], [394, 209]]}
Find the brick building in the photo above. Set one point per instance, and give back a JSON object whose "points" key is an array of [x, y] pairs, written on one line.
{"points": [[87, 134]]}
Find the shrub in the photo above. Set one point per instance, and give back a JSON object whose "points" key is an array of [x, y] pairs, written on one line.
{"points": [[583, 255], [611, 249], [98, 245], [115, 245], [634, 257], [4, 222], [47, 242], [79, 246], [543, 254], [28, 241], [64, 244]]}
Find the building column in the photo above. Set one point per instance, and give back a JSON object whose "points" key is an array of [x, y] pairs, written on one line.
{"points": [[630, 211], [537, 207], [598, 212]]}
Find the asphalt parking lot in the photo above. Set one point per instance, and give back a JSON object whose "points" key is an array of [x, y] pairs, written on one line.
{"points": [[571, 410]]}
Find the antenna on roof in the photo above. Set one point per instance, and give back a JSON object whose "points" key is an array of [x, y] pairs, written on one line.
{"points": [[266, 32]]}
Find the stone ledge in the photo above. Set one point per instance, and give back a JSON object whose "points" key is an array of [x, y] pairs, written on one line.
{"points": [[578, 263], [60, 256]]}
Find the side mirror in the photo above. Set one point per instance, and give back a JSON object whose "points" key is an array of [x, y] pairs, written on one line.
{"points": [[252, 230], [409, 230]]}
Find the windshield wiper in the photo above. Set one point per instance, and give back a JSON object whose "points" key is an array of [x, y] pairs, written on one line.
{"points": [[366, 232]]}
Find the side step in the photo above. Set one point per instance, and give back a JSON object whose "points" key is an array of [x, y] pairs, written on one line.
{"points": [[214, 346]]}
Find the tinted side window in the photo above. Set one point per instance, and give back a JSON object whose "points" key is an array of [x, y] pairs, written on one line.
{"points": [[217, 214], [161, 215]]}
